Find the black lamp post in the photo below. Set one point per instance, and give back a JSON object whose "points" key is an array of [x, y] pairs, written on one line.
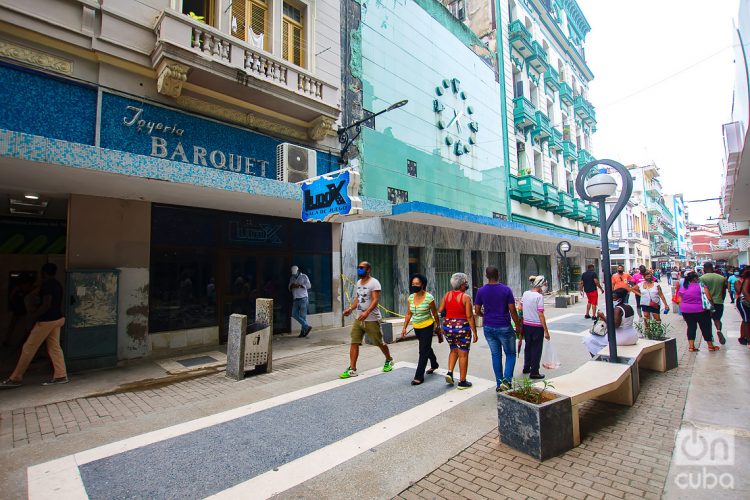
{"points": [[344, 132], [562, 250], [597, 189]]}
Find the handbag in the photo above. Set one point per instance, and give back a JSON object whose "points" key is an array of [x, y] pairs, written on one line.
{"points": [[599, 328], [707, 305]]}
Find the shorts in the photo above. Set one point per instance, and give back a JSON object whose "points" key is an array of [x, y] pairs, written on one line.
{"points": [[371, 328], [650, 309], [592, 297], [458, 333], [743, 311], [718, 312]]}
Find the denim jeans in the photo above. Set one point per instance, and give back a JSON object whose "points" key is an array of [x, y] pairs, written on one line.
{"points": [[501, 339], [299, 311]]}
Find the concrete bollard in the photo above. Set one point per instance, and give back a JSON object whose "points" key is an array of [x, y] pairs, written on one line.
{"points": [[260, 353], [236, 346]]}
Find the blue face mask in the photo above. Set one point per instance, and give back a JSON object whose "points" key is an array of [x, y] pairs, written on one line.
{"points": [[361, 271]]}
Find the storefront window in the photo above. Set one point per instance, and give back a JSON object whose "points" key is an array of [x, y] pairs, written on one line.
{"points": [[380, 258], [318, 269]]}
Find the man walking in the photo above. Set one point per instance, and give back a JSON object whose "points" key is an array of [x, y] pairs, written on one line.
{"points": [[717, 287], [48, 319], [495, 302], [299, 284], [367, 321], [589, 284]]}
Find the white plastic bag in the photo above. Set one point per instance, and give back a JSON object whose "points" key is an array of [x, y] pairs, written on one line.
{"points": [[550, 359]]}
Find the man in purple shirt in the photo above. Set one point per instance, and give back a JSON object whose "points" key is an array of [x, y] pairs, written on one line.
{"points": [[495, 303]]}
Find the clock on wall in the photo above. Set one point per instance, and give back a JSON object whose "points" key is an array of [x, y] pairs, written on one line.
{"points": [[455, 117]]}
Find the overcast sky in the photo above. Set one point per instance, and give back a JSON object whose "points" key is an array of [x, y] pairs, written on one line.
{"points": [[663, 83]]}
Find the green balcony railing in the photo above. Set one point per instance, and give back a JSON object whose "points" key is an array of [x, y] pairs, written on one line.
{"points": [[555, 141], [566, 205], [524, 113], [584, 109], [551, 197], [566, 94], [520, 38], [569, 150], [515, 193], [552, 79], [531, 190], [584, 157], [579, 209], [541, 125], [591, 215], [538, 58]]}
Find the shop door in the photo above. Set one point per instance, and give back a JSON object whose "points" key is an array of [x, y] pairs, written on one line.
{"points": [[251, 276]]}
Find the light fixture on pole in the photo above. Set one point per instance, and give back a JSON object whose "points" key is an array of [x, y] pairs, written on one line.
{"points": [[347, 140], [597, 189]]}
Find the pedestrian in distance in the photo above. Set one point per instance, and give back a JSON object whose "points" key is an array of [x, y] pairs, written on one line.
{"points": [[731, 280], [367, 321], [422, 313], [717, 287], [299, 284], [589, 285], [623, 280], [496, 304], [534, 327], [47, 320], [458, 327], [652, 298], [637, 280], [694, 310], [625, 333], [742, 292]]}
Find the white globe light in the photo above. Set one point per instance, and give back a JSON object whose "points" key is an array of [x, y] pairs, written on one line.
{"points": [[601, 185]]}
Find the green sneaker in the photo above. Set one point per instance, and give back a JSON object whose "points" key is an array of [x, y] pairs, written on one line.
{"points": [[388, 366], [348, 373]]}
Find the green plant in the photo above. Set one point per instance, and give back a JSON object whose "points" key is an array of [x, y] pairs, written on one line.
{"points": [[197, 17], [524, 388], [652, 329]]}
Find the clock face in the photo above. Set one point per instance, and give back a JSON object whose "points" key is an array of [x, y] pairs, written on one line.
{"points": [[455, 117]]}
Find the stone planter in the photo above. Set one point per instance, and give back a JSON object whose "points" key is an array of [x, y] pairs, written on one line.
{"points": [[561, 301], [670, 352], [542, 431]]}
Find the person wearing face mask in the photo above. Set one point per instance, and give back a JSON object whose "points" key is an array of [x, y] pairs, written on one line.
{"points": [[422, 313], [367, 321], [651, 297], [625, 332], [622, 280], [730, 283], [459, 327], [299, 284], [534, 329], [717, 287]]}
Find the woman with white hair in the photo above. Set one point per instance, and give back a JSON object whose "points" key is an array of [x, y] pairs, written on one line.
{"points": [[534, 327], [459, 328]]}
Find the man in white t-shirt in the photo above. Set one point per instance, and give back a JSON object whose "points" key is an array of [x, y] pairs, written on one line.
{"points": [[368, 319], [534, 327], [299, 284]]}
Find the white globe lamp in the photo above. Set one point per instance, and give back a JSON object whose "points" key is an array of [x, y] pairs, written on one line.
{"points": [[602, 185]]}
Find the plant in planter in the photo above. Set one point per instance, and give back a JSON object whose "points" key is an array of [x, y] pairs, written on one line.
{"points": [[535, 420], [652, 329]]}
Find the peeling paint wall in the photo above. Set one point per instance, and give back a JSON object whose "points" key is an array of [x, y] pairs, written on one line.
{"points": [[132, 325]]}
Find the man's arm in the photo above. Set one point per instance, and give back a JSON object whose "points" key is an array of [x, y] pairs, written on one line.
{"points": [[514, 315], [307, 283], [598, 285]]}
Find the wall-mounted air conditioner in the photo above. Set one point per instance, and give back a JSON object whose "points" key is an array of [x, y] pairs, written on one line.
{"points": [[295, 163]]}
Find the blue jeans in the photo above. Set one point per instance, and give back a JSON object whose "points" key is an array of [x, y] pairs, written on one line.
{"points": [[502, 339], [299, 311]]}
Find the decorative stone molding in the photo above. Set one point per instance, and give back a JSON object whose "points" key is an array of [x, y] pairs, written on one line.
{"points": [[36, 58], [321, 127], [171, 77], [240, 118]]}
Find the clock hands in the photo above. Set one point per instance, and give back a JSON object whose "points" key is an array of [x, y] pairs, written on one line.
{"points": [[455, 118]]}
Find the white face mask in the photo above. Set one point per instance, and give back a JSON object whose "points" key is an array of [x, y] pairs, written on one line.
{"points": [[295, 270]]}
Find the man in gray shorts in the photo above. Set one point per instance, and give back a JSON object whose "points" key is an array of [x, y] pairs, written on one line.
{"points": [[368, 319]]}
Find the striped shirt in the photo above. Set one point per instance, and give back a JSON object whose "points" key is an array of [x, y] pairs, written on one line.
{"points": [[421, 316]]}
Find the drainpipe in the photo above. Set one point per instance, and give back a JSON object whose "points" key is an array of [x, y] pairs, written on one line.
{"points": [[499, 51]]}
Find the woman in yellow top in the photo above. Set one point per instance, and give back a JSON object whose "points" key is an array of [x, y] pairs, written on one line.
{"points": [[423, 314]]}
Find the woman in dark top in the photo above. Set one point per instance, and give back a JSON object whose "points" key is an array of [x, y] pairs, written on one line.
{"points": [[48, 319]]}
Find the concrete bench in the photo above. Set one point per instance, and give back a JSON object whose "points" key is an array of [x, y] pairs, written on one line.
{"points": [[655, 355], [611, 382]]}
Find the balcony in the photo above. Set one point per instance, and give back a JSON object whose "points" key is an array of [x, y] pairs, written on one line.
{"points": [[531, 190], [579, 209], [552, 79], [520, 38], [542, 127], [189, 52], [653, 188], [584, 110], [515, 193], [584, 157], [591, 214], [551, 197], [566, 204], [538, 58], [524, 113], [556, 142], [566, 94], [569, 150]]}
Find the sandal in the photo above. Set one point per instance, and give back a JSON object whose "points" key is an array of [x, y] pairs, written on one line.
{"points": [[693, 349], [714, 348], [9, 384], [432, 370]]}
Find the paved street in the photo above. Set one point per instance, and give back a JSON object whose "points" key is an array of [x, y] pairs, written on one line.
{"points": [[301, 432]]}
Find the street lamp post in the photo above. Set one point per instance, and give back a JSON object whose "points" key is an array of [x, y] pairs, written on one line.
{"points": [[562, 249], [343, 132], [597, 189]]}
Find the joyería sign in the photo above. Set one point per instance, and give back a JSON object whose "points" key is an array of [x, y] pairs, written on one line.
{"points": [[329, 196]]}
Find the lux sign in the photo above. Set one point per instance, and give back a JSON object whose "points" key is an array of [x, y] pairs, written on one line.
{"points": [[330, 195]]}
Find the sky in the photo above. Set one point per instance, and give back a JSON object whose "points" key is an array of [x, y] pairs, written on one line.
{"points": [[663, 84]]}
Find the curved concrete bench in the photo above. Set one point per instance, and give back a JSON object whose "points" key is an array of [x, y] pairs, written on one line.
{"points": [[653, 355], [611, 382]]}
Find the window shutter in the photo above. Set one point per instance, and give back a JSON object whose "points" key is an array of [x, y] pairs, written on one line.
{"points": [[285, 39], [239, 17], [297, 45]]}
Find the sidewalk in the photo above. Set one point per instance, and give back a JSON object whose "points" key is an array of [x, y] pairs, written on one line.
{"points": [[628, 452]]}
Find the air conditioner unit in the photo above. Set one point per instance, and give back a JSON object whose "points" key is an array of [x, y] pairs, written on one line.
{"points": [[295, 163]]}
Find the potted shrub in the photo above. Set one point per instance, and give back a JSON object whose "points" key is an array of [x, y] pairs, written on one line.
{"points": [[656, 330], [535, 420]]}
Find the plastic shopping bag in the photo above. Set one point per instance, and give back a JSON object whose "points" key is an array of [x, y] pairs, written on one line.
{"points": [[550, 359]]}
